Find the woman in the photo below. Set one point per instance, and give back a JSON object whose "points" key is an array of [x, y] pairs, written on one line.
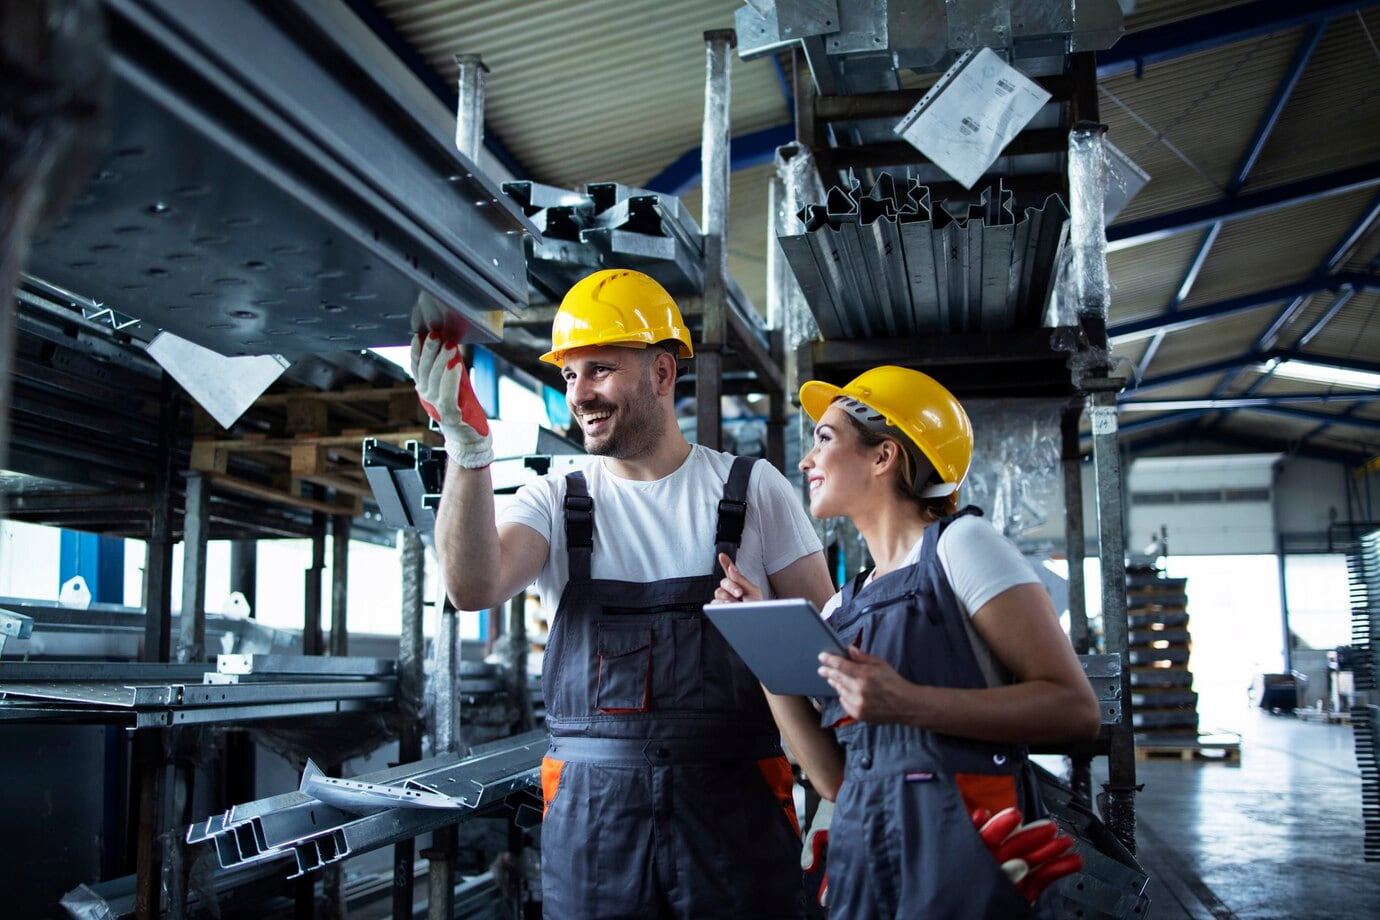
{"points": [[956, 662]]}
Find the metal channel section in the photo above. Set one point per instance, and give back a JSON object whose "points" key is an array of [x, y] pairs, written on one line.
{"points": [[277, 182], [315, 834], [890, 261]]}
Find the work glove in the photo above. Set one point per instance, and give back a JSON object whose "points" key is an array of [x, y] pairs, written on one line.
{"points": [[816, 839], [443, 386], [1032, 855]]}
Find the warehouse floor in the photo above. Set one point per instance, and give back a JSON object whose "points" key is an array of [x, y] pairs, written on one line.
{"points": [[1277, 835]]}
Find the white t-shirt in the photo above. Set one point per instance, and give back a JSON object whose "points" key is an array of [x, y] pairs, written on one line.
{"points": [[979, 563], [651, 531]]}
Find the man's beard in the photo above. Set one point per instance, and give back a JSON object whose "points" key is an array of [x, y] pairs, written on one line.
{"points": [[637, 427]]}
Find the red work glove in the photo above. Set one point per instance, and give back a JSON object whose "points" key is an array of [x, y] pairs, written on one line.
{"points": [[443, 387], [816, 839], [1032, 855]]}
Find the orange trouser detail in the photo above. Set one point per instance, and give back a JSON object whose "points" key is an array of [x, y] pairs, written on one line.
{"points": [[982, 790], [550, 782], [777, 772]]}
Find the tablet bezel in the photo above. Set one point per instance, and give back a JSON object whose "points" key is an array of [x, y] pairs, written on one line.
{"points": [[780, 641]]}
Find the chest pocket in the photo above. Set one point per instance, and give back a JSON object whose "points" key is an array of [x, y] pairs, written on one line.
{"points": [[624, 680]]}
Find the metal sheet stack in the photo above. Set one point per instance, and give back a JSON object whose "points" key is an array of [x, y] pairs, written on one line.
{"points": [[891, 261], [608, 225]]}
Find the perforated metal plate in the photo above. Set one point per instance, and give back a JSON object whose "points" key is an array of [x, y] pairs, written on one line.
{"points": [[273, 184]]}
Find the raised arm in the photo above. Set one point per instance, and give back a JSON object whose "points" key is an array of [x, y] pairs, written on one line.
{"points": [[481, 565]]}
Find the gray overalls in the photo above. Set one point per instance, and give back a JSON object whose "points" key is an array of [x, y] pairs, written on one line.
{"points": [[666, 791], [901, 844]]}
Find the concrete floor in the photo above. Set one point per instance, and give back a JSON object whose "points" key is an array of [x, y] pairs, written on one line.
{"points": [[1277, 836]]}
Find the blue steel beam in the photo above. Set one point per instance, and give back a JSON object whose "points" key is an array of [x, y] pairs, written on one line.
{"points": [[1186, 319], [1202, 370], [1341, 300], [1213, 30], [1324, 419], [1283, 91], [745, 151], [1209, 403], [1315, 188], [1349, 364]]}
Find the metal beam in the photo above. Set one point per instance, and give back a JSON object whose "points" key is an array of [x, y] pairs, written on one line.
{"points": [[1350, 364], [1240, 402], [1213, 30], [1234, 207], [1202, 370], [383, 28], [1325, 419], [1186, 319], [746, 151]]}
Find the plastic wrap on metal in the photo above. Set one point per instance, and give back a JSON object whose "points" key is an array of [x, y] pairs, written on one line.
{"points": [[1016, 475], [889, 261], [277, 182], [1364, 566]]}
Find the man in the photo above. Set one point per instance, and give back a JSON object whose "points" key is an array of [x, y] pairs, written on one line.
{"points": [[665, 789]]}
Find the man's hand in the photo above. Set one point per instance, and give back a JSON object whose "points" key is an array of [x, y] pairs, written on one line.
{"points": [[443, 386], [1032, 855], [734, 586], [868, 687]]}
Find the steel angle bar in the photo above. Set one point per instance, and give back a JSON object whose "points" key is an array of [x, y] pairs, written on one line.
{"points": [[829, 255], [820, 295], [1048, 234], [857, 268], [85, 671], [204, 715], [941, 242], [921, 277], [972, 230], [283, 692], [95, 694], [305, 664], [534, 197], [998, 306], [887, 261]]}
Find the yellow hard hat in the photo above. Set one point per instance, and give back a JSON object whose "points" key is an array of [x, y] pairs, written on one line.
{"points": [[915, 404], [616, 307]]}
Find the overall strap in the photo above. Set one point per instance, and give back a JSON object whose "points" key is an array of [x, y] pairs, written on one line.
{"points": [[733, 509], [579, 526]]}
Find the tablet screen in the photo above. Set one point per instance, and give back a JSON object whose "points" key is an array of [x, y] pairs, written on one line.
{"points": [[780, 641]]}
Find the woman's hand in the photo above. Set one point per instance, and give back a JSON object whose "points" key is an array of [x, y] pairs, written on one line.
{"points": [[734, 587], [869, 689]]}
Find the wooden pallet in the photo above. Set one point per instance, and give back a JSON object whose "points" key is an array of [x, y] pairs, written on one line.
{"points": [[1207, 748]]}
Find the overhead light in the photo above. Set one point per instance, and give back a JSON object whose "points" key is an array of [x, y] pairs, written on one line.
{"points": [[1321, 373]]}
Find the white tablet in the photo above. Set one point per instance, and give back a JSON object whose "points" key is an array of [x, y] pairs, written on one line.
{"points": [[780, 640]]}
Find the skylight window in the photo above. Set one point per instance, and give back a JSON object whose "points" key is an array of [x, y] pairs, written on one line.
{"points": [[1322, 373]]}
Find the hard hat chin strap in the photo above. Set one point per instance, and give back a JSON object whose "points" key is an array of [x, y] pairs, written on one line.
{"points": [[919, 469]]}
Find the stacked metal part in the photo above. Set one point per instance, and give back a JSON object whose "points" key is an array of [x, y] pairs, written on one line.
{"points": [[616, 226], [892, 262], [316, 834], [1364, 566], [921, 34]]}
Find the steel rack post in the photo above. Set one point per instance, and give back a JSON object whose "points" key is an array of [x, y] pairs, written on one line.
{"points": [[191, 641], [340, 572], [714, 170]]}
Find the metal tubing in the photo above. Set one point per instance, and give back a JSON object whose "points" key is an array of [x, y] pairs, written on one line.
{"points": [[1073, 531], [469, 110], [311, 592], [340, 571], [191, 640], [714, 169], [1118, 800], [158, 568], [445, 728]]}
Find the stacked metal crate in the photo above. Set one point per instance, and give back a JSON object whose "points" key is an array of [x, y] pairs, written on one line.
{"points": [[1364, 566], [1164, 706]]}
